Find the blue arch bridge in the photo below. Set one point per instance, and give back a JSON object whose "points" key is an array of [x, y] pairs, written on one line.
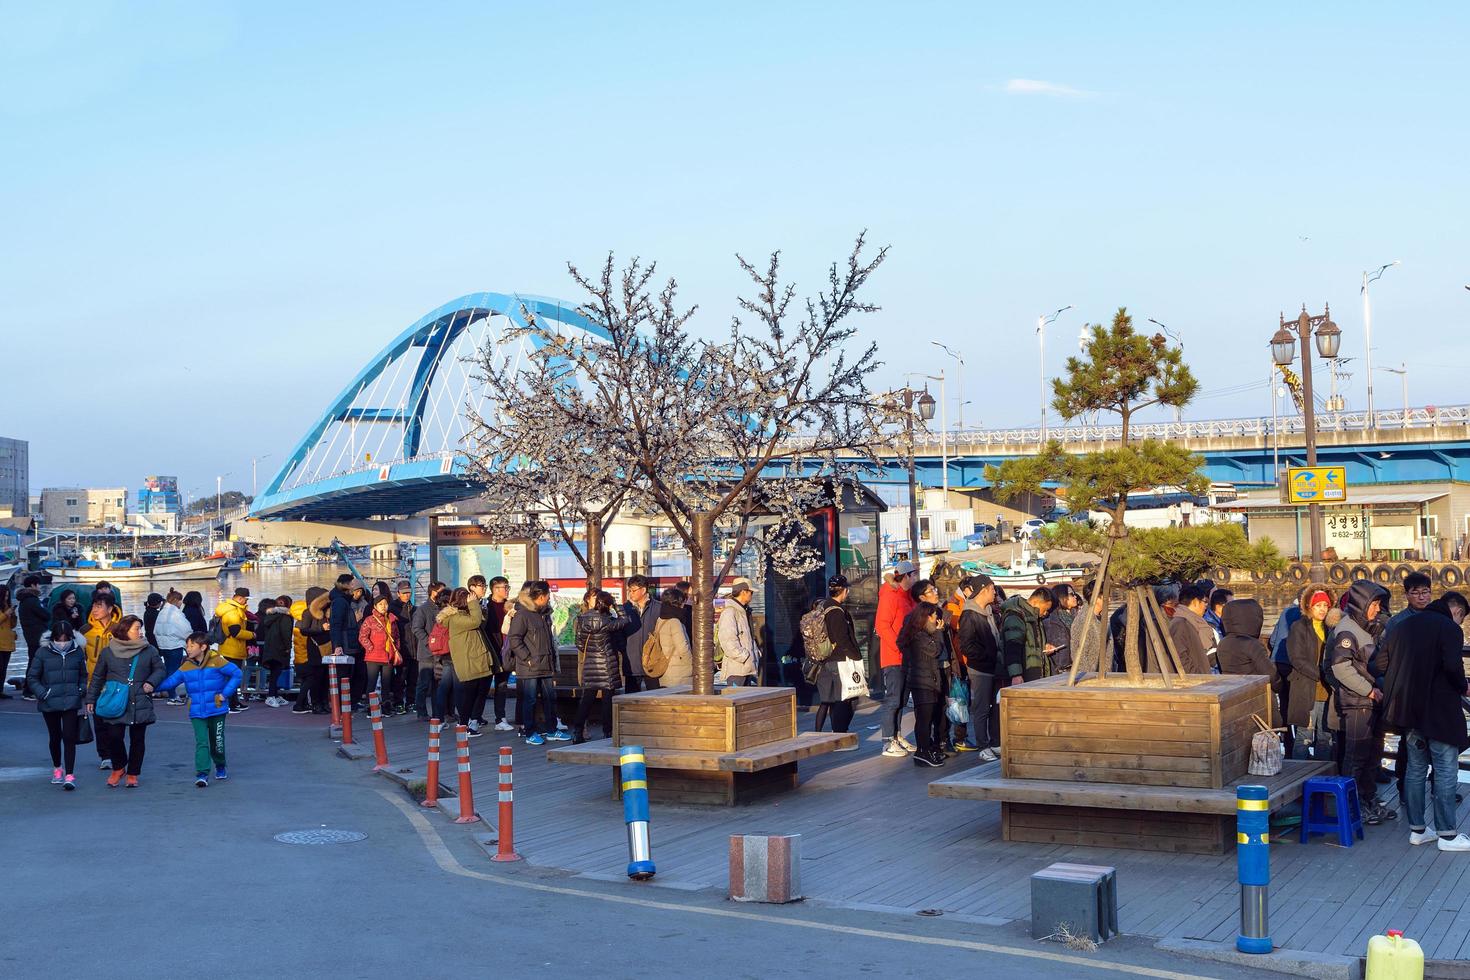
{"points": [[390, 443]]}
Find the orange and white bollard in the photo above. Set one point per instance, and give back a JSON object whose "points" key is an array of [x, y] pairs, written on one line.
{"points": [[431, 780], [506, 851], [345, 698], [380, 745], [467, 812], [332, 696]]}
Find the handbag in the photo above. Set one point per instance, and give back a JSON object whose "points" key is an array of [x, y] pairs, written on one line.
{"points": [[84, 729], [810, 670], [854, 682], [957, 704], [116, 696], [1267, 753]]}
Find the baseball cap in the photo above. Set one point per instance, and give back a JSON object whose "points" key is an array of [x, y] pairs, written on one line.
{"points": [[903, 568]]}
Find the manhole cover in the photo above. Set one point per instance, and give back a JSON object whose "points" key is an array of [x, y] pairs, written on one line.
{"points": [[930, 912], [320, 837]]}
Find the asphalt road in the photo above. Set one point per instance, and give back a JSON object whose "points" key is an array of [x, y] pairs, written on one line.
{"points": [[171, 881]]}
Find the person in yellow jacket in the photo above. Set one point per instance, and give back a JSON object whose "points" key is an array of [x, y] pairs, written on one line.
{"points": [[98, 633], [7, 636], [235, 627]]}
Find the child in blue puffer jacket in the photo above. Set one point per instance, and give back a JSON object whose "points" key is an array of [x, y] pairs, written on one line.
{"points": [[210, 680]]}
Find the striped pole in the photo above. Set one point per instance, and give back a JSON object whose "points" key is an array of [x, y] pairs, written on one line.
{"points": [[506, 851], [344, 693], [634, 775], [380, 744], [332, 696], [431, 782], [1253, 863], [467, 812]]}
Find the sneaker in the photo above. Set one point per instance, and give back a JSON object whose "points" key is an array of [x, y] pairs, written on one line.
{"points": [[1425, 836], [1384, 812], [1372, 816], [846, 748], [504, 726], [560, 735], [28, 697], [536, 739], [893, 750], [242, 706], [561, 726], [473, 732], [965, 747], [132, 782], [931, 759], [115, 780], [177, 701], [201, 779], [219, 773], [104, 764], [904, 743], [276, 702], [1457, 843], [57, 776], [70, 784], [988, 755], [301, 710]]}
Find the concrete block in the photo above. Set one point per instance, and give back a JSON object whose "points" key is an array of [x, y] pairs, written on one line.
{"points": [[1077, 895], [765, 867]]}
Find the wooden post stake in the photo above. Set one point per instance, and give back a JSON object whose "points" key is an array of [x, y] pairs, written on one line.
{"points": [[1099, 588], [1152, 634], [1168, 640]]}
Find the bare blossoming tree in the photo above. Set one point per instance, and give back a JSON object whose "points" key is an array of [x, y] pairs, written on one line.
{"points": [[707, 434]]}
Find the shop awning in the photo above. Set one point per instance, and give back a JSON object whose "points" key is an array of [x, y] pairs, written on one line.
{"points": [[1356, 498]]}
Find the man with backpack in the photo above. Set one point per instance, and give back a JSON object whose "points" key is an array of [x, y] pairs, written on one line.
{"points": [[229, 632], [641, 611]]}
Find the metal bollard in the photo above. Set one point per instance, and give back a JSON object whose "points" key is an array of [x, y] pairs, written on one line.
{"points": [[431, 782], [467, 812], [345, 699], [380, 744], [332, 697], [634, 776], [506, 847], [1253, 863]]}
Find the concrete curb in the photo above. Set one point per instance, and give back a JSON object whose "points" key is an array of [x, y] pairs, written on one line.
{"points": [[1296, 962]]}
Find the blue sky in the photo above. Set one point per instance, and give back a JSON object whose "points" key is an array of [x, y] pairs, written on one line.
{"points": [[214, 213]]}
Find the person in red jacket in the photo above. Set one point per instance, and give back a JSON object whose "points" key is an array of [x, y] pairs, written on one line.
{"points": [[894, 604], [379, 637]]}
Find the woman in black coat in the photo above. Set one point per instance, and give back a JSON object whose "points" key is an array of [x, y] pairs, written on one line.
{"points": [[599, 664], [921, 647], [131, 660], [69, 610], [194, 612], [57, 677], [845, 656], [1304, 645]]}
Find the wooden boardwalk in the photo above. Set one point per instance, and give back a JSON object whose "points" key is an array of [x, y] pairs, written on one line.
{"points": [[874, 838]]}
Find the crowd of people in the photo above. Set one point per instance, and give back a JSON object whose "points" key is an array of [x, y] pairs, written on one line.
{"points": [[1344, 671]]}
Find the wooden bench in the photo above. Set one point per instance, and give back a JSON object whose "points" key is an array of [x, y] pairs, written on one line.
{"points": [[725, 748], [1182, 819]]}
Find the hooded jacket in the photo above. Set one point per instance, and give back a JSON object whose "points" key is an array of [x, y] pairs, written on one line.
{"points": [[236, 628], [1426, 678], [57, 675], [7, 632], [467, 652], [210, 684], [979, 638], [298, 639], [673, 640], [921, 651], [599, 664], [1241, 650], [114, 664], [1350, 648], [344, 621], [314, 623], [736, 644], [421, 625], [98, 635], [529, 642], [34, 620], [894, 605], [1023, 645], [275, 629], [1189, 631]]}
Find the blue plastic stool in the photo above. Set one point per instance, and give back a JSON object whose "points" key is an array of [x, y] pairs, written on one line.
{"points": [[1346, 819]]}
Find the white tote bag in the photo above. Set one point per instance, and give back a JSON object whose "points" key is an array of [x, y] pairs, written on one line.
{"points": [[854, 679]]}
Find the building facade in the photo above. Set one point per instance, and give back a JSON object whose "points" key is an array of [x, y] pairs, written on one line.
{"points": [[63, 507], [15, 477]]}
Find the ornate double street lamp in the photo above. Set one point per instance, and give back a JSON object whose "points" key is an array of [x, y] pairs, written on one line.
{"points": [[1283, 351], [925, 402]]}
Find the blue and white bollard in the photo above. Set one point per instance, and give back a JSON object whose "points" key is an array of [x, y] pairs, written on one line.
{"points": [[634, 776], [1253, 862]]}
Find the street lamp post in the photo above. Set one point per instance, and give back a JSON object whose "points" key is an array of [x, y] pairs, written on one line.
{"points": [[1368, 333], [1041, 322], [960, 360], [1403, 372], [925, 402], [943, 425], [1329, 338]]}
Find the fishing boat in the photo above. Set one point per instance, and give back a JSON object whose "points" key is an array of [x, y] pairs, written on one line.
{"points": [[174, 568], [1025, 569]]}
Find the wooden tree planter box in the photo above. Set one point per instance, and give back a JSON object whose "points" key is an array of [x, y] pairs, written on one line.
{"points": [[1109, 730]]}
